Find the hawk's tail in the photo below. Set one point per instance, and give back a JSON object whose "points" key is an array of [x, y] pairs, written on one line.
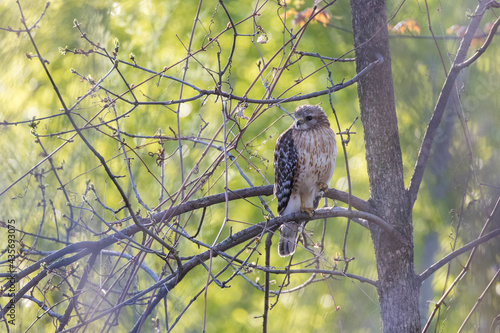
{"points": [[288, 239]]}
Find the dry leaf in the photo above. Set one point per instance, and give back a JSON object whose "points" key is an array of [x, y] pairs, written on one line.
{"points": [[459, 31], [408, 24], [239, 113], [262, 39], [301, 17], [322, 17]]}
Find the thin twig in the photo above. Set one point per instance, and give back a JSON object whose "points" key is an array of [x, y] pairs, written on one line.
{"points": [[479, 300]]}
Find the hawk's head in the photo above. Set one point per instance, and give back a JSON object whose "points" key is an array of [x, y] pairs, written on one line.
{"points": [[309, 117]]}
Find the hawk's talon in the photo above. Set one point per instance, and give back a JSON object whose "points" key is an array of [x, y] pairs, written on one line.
{"points": [[309, 211], [323, 187]]}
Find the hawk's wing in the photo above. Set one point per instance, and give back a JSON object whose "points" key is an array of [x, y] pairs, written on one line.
{"points": [[285, 163]]}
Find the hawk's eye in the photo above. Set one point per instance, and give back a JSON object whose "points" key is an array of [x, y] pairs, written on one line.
{"points": [[309, 118]]}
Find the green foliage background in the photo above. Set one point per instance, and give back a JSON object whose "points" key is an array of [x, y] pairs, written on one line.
{"points": [[460, 184]]}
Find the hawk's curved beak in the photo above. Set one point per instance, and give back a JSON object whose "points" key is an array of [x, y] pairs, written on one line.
{"points": [[299, 121]]}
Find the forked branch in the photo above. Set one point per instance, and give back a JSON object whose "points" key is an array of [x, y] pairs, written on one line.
{"points": [[449, 84]]}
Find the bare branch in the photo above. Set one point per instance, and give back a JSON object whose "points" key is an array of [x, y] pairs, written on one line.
{"points": [[493, 217], [270, 101], [472, 245], [483, 48], [82, 248], [257, 230], [33, 26], [425, 148]]}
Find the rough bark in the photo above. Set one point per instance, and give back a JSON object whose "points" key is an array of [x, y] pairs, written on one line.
{"points": [[398, 290]]}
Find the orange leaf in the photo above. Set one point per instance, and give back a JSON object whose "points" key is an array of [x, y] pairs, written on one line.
{"points": [[301, 17], [408, 24], [322, 17], [413, 26]]}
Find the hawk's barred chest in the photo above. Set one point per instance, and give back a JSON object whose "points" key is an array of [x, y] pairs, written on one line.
{"points": [[315, 150]]}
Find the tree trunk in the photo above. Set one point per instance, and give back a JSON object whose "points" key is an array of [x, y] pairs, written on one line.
{"points": [[398, 288]]}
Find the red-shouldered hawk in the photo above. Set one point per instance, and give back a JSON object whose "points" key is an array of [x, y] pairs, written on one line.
{"points": [[304, 159]]}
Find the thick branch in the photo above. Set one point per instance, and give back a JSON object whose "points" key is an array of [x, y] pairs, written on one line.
{"points": [[332, 193], [85, 248], [357, 203], [342, 212], [316, 271], [257, 230]]}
